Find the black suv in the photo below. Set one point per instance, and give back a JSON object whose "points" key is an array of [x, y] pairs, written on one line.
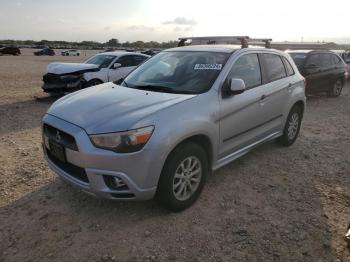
{"points": [[10, 50], [323, 70], [45, 51]]}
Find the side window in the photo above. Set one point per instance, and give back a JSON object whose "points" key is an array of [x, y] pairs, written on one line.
{"points": [[126, 61], [247, 68], [274, 67], [289, 68], [139, 59], [326, 60], [314, 59], [336, 59]]}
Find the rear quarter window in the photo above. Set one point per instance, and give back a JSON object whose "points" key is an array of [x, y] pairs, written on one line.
{"points": [[289, 68], [274, 67]]}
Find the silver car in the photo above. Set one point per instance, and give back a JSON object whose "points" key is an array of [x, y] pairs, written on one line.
{"points": [[179, 116]]}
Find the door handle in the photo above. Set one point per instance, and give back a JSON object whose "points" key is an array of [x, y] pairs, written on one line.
{"points": [[262, 97]]}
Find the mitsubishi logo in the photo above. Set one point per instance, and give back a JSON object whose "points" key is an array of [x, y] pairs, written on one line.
{"points": [[58, 136]]}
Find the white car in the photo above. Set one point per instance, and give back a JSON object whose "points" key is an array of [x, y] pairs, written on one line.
{"points": [[62, 78], [71, 52]]}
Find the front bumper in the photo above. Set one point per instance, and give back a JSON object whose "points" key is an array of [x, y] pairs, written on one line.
{"points": [[61, 87], [90, 168]]}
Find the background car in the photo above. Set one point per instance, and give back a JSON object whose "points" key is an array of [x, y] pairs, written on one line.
{"points": [[45, 51], [101, 68], [71, 52], [151, 52], [323, 70], [10, 50]]}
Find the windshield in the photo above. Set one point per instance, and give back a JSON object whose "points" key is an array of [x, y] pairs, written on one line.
{"points": [[102, 61], [298, 58], [178, 72]]}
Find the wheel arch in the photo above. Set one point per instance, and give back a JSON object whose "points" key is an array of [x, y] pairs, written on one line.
{"points": [[199, 139], [300, 104]]}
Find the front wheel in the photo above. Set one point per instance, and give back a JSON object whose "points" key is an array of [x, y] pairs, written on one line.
{"points": [[292, 127], [183, 177], [335, 91], [93, 82]]}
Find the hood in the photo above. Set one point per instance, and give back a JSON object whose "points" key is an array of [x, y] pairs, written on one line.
{"points": [[110, 108], [64, 68]]}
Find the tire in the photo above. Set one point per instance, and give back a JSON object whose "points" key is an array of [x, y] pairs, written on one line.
{"points": [[78, 54], [336, 89], [174, 191], [93, 82], [292, 127]]}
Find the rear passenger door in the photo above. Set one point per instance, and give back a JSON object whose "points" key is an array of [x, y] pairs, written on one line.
{"points": [[314, 72], [277, 87], [328, 69]]}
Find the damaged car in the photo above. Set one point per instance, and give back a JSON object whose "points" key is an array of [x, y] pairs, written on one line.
{"points": [[62, 78]]}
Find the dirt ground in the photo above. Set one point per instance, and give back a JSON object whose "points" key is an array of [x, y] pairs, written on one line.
{"points": [[274, 204]]}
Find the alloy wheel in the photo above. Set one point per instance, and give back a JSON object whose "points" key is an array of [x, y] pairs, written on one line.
{"points": [[293, 126], [187, 178]]}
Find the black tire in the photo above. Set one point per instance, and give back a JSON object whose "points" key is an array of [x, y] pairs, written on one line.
{"points": [[165, 195], [78, 54], [290, 134], [93, 82], [336, 89]]}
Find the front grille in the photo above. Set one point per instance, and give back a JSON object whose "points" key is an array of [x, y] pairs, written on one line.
{"points": [[50, 78], [65, 139], [72, 170]]}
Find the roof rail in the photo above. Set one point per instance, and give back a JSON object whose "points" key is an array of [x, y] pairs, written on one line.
{"points": [[211, 40]]}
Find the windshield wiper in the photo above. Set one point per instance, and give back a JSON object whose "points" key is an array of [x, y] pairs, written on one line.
{"points": [[165, 89]]}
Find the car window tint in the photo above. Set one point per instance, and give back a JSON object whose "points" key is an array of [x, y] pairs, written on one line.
{"points": [[274, 67], [139, 59], [336, 59], [126, 61], [247, 68], [289, 68], [326, 60], [314, 59]]}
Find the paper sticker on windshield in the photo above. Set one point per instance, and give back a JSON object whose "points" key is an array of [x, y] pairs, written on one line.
{"points": [[207, 66]]}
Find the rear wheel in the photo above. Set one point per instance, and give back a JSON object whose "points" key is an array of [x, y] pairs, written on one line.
{"points": [[335, 91], [292, 127], [183, 177]]}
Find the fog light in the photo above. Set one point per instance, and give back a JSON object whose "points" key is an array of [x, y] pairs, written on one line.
{"points": [[119, 183]]}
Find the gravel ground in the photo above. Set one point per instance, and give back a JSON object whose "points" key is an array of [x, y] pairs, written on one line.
{"points": [[274, 204]]}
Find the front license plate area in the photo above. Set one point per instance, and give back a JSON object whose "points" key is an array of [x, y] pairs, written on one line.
{"points": [[57, 151]]}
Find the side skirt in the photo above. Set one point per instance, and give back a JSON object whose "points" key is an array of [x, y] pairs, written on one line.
{"points": [[229, 158]]}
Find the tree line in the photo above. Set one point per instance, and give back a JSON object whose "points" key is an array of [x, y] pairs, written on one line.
{"points": [[112, 43]]}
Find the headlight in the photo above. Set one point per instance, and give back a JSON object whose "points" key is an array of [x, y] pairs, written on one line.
{"points": [[123, 142]]}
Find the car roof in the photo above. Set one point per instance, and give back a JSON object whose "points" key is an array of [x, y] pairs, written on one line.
{"points": [[225, 49], [309, 51], [207, 48], [119, 53]]}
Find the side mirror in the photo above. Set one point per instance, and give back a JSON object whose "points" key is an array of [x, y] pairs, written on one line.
{"points": [[237, 86], [116, 65]]}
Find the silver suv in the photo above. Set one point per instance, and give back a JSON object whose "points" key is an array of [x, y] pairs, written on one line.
{"points": [[183, 113]]}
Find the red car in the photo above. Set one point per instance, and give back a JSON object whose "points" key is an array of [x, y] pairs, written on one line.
{"points": [[9, 50]]}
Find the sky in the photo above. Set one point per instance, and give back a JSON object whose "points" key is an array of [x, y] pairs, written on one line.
{"points": [[163, 20]]}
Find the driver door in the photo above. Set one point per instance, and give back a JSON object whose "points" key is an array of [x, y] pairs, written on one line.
{"points": [[127, 65], [243, 116]]}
